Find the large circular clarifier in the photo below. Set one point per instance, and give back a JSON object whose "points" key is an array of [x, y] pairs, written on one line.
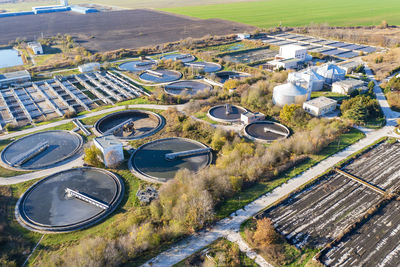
{"points": [[207, 67], [160, 160], [137, 65], [184, 58], [266, 131], [41, 150], [226, 113], [160, 76], [130, 124], [69, 200], [186, 88]]}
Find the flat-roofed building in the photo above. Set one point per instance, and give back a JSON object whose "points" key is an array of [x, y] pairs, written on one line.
{"points": [[290, 63], [347, 86], [14, 77], [111, 148], [350, 66], [36, 48], [249, 117], [320, 106], [293, 51]]}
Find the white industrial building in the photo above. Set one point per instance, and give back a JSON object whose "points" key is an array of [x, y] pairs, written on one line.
{"points": [[350, 66], [36, 48], [347, 86], [14, 77], [331, 73], [289, 93], [308, 78], [249, 117], [89, 67], [111, 148], [290, 63], [320, 106], [293, 51], [243, 36]]}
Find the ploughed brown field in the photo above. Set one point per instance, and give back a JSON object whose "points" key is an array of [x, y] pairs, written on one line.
{"points": [[116, 29]]}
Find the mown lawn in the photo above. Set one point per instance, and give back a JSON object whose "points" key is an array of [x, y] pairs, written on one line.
{"points": [[271, 13]]}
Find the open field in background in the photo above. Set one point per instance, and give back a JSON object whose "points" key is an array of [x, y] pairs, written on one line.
{"points": [[270, 13], [132, 28], [120, 3]]}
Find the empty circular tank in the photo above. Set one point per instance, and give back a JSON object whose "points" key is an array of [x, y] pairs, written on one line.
{"points": [[191, 87], [41, 150], [137, 65], [69, 200], [152, 161], [130, 124], [266, 131], [160, 76], [226, 113], [184, 58], [207, 67]]}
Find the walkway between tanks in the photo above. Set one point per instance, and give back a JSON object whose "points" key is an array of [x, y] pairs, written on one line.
{"points": [[230, 226], [58, 123]]}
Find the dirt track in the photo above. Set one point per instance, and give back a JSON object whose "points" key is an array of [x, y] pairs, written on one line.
{"points": [[117, 29]]}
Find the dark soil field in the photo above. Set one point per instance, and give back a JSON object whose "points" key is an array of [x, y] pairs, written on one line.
{"points": [[117, 29]]}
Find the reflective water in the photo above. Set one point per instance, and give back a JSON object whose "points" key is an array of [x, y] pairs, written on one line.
{"points": [[10, 58]]}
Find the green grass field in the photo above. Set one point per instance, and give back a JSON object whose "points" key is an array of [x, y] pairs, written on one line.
{"points": [[269, 13]]}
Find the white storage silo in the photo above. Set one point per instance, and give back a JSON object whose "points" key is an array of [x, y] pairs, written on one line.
{"points": [[289, 93]]}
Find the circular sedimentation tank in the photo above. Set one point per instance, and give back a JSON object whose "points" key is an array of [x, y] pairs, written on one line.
{"points": [[130, 124], [184, 58], [226, 113], [266, 131], [160, 76], [207, 67], [41, 150], [137, 65], [69, 200], [226, 75], [186, 87], [152, 161]]}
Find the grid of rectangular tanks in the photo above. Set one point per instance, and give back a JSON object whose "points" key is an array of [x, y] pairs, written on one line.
{"points": [[327, 47], [45, 100]]}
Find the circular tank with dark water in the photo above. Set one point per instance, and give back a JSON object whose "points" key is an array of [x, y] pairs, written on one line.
{"points": [[69, 200], [130, 124], [160, 76], [150, 161], [184, 58], [226, 113], [191, 87], [266, 131], [204, 66], [137, 65], [41, 150]]}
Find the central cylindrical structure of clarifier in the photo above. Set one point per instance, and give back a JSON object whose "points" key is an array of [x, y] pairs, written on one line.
{"points": [[46, 207], [145, 123], [150, 163]]}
